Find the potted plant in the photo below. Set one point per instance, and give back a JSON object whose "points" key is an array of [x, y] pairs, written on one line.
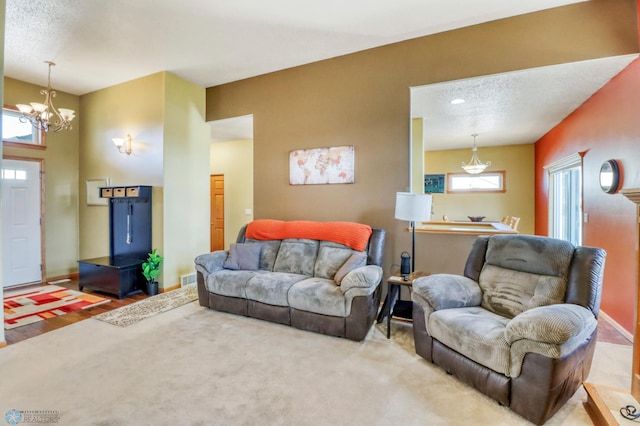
{"points": [[151, 270]]}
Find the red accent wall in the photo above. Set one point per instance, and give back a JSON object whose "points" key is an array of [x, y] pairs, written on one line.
{"points": [[606, 126]]}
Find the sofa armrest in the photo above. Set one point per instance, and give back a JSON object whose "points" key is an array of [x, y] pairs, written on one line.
{"points": [[554, 324], [210, 262], [365, 277], [446, 291]]}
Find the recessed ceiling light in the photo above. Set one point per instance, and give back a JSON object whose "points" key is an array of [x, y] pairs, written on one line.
{"points": [[457, 101]]}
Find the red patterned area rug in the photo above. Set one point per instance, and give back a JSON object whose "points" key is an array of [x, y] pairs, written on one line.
{"points": [[37, 304]]}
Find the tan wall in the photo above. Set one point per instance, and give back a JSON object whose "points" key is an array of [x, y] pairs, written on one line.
{"points": [[165, 117], [61, 178], [417, 156], [134, 108], [362, 99], [517, 161], [234, 160], [185, 230]]}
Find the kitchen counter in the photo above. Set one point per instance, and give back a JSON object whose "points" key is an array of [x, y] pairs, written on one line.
{"points": [[465, 228]]}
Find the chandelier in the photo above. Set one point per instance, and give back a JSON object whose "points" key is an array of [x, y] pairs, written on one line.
{"points": [[475, 166], [44, 116]]}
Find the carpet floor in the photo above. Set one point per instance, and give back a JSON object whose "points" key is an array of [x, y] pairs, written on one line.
{"points": [[195, 366]]}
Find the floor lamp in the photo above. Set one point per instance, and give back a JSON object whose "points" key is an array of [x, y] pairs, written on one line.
{"points": [[414, 208]]}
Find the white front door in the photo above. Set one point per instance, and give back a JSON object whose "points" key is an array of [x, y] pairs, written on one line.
{"points": [[21, 237]]}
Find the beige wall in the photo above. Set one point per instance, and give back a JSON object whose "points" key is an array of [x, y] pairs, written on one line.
{"points": [[165, 117], [234, 160], [135, 108], [186, 178], [61, 178], [517, 161], [362, 99], [417, 156]]}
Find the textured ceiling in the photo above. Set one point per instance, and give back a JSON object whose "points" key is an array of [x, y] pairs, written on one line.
{"points": [[511, 108], [100, 43]]}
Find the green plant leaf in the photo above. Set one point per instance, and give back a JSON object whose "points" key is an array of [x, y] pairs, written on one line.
{"points": [[151, 266]]}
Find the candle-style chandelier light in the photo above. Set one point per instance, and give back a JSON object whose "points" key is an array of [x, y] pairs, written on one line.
{"points": [[44, 116]]}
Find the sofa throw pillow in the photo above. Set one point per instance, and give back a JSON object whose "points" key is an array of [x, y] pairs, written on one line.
{"points": [[354, 261], [243, 257], [268, 252]]}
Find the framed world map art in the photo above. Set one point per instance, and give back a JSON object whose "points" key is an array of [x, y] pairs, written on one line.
{"points": [[319, 166]]}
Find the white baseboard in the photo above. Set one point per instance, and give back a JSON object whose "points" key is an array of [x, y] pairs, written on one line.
{"points": [[617, 326]]}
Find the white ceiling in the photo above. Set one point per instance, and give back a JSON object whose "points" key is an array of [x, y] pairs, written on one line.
{"points": [[232, 129], [511, 108], [98, 43]]}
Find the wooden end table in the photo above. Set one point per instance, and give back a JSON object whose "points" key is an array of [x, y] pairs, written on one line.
{"points": [[392, 305]]}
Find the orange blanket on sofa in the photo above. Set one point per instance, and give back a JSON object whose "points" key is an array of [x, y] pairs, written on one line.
{"points": [[354, 235]]}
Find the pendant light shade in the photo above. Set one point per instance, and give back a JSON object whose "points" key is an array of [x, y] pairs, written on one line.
{"points": [[475, 166]]}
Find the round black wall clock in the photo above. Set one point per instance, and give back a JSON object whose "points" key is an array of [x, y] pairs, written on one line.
{"points": [[610, 176]]}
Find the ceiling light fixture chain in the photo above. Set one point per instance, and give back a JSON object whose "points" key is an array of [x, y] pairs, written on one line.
{"points": [[475, 166], [42, 115]]}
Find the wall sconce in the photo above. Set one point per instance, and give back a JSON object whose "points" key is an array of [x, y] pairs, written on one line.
{"points": [[123, 144]]}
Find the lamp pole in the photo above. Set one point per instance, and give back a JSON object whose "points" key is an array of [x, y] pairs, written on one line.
{"points": [[413, 246]]}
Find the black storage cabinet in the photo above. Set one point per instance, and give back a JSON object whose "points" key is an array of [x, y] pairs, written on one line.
{"points": [[120, 273]]}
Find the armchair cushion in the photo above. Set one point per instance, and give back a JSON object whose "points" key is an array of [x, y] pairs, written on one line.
{"points": [[445, 291], [508, 292], [555, 324], [474, 332], [541, 256]]}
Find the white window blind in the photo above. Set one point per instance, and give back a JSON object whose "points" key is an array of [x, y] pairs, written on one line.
{"points": [[565, 199]]}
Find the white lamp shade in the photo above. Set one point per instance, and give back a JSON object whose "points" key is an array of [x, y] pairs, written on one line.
{"points": [[67, 114], [413, 207], [38, 107], [25, 109]]}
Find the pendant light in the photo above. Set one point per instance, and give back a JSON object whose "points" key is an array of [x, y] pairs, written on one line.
{"points": [[475, 166]]}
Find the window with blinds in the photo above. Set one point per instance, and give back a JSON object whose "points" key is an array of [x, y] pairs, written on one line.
{"points": [[565, 199]]}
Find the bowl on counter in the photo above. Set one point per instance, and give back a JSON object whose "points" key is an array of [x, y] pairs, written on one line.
{"points": [[476, 218]]}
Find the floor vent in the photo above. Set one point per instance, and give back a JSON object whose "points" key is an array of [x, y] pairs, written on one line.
{"points": [[188, 279]]}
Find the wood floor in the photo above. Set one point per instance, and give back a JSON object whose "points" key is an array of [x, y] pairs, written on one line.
{"points": [[606, 331], [19, 334]]}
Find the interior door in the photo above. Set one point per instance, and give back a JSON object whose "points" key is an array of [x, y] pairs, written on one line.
{"points": [[21, 233], [217, 212]]}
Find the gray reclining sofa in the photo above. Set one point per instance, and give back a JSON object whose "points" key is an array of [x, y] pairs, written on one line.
{"points": [[316, 285]]}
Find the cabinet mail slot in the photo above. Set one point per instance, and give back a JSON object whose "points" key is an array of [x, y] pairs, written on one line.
{"points": [[106, 192], [118, 192], [133, 191]]}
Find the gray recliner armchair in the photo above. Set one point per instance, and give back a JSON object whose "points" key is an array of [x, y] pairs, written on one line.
{"points": [[520, 324]]}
